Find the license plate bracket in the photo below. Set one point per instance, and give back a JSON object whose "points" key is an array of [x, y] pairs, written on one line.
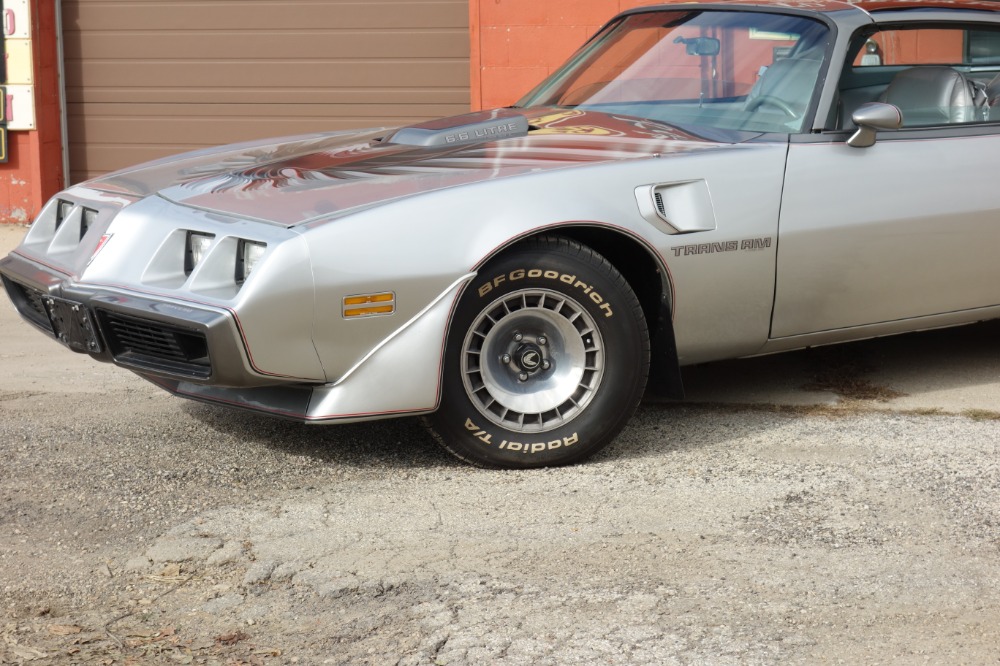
{"points": [[73, 324]]}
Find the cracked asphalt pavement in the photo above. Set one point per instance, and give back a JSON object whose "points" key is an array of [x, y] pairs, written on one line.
{"points": [[819, 507]]}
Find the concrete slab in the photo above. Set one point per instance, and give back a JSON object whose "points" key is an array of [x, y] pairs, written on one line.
{"points": [[10, 236], [953, 371]]}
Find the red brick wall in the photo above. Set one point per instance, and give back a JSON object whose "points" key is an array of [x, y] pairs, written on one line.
{"points": [[517, 43], [920, 47]]}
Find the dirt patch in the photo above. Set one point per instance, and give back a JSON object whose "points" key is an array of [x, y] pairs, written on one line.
{"points": [[981, 415], [843, 370]]}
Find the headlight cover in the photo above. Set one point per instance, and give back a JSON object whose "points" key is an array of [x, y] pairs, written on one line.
{"points": [[195, 249], [248, 253]]}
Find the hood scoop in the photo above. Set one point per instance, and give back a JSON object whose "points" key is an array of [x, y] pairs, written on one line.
{"points": [[462, 130]]}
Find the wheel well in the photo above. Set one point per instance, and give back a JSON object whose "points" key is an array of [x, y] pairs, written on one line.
{"points": [[651, 286], [635, 264]]}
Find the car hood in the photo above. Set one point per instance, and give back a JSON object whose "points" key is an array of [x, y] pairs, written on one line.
{"points": [[305, 179]]}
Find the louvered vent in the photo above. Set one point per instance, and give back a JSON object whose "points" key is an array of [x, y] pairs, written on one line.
{"points": [[145, 343], [658, 198], [29, 303]]}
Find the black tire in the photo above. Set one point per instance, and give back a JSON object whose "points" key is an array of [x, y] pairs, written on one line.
{"points": [[546, 360]]}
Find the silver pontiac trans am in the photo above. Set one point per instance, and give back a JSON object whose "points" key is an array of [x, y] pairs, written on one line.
{"points": [[698, 182]]}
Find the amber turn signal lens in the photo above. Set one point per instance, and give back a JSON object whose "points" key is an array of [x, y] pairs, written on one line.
{"points": [[361, 312], [364, 305]]}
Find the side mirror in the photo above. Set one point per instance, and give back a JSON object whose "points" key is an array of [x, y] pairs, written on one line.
{"points": [[871, 117]]}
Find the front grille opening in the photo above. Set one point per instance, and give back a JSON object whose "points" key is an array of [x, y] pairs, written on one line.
{"points": [[153, 345], [28, 302]]}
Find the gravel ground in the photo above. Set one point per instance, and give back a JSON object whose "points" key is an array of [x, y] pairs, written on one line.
{"points": [[137, 528]]}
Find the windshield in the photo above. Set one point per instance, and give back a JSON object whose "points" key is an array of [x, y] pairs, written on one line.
{"points": [[726, 70]]}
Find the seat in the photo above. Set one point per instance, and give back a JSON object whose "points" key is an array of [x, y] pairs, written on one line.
{"points": [[932, 96], [992, 92]]}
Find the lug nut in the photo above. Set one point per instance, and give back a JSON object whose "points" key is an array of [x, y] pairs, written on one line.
{"points": [[546, 365], [505, 359], [523, 376], [542, 340], [518, 337]]}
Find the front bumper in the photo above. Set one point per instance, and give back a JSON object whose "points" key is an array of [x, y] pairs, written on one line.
{"points": [[149, 335], [198, 351]]}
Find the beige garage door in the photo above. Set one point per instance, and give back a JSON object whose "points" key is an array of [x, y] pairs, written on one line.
{"points": [[153, 78]]}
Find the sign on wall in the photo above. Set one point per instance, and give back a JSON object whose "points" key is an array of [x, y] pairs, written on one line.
{"points": [[3, 96], [3, 126], [15, 19], [18, 60], [18, 75]]}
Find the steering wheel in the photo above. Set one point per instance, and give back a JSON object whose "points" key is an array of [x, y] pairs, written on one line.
{"points": [[770, 100]]}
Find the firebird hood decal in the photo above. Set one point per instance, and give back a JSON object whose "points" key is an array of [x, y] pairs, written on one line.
{"points": [[301, 180]]}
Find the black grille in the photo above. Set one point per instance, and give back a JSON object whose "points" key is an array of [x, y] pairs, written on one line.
{"points": [[28, 302], [153, 345]]}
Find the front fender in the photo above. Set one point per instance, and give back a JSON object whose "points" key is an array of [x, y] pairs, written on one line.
{"points": [[399, 375]]}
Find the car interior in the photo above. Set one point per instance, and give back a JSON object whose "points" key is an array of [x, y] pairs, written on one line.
{"points": [[927, 91]]}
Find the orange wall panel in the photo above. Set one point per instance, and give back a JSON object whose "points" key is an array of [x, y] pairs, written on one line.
{"points": [[520, 42], [19, 193], [921, 47]]}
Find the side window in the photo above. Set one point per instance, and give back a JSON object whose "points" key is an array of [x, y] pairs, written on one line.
{"points": [[921, 46], [982, 47], [935, 74]]}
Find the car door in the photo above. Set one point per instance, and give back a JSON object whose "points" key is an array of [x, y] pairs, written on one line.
{"points": [[906, 228]]}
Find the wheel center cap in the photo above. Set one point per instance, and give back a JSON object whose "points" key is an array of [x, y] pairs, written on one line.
{"points": [[529, 357]]}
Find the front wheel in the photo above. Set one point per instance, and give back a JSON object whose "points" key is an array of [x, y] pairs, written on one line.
{"points": [[546, 360]]}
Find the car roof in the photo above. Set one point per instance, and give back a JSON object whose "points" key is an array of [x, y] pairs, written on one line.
{"points": [[832, 6], [896, 5]]}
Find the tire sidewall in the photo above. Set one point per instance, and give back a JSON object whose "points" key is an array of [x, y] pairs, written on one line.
{"points": [[597, 288]]}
